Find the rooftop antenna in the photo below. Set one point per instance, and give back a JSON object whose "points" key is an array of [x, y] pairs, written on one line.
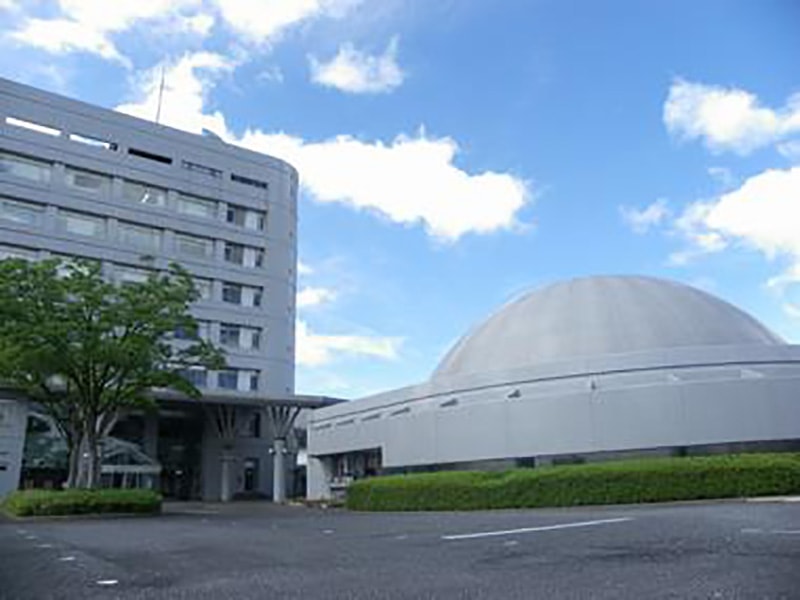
{"points": [[160, 94]]}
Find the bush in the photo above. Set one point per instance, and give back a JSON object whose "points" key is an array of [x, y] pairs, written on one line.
{"points": [[30, 503], [622, 482]]}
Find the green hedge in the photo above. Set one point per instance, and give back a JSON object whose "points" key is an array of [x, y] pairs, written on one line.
{"points": [[622, 482], [30, 503]]}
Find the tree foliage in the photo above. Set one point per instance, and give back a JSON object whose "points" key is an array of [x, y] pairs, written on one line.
{"points": [[86, 348]]}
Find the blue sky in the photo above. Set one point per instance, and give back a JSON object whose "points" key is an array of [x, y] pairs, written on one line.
{"points": [[455, 153]]}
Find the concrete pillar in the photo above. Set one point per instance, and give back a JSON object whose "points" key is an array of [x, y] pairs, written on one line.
{"points": [[226, 493], [150, 441], [278, 470], [318, 479]]}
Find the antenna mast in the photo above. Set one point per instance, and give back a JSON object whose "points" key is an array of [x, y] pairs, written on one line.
{"points": [[160, 94]]}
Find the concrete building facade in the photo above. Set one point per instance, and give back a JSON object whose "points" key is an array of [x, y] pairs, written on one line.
{"points": [[81, 181], [588, 369]]}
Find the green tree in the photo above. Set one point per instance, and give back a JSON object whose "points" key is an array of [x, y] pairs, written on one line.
{"points": [[87, 349]]}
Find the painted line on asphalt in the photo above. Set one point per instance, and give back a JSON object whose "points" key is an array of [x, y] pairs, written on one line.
{"points": [[66, 558], [773, 531], [44, 545], [484, 534], [107, 582]]}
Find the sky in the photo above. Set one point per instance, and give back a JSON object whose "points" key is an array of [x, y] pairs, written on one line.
{"points": [[454, 154]]}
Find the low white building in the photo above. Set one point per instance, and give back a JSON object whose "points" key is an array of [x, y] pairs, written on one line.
{"points": [[587, 369]]}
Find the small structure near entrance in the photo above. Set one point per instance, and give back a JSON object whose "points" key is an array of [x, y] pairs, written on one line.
{"points": [[588, 369]]}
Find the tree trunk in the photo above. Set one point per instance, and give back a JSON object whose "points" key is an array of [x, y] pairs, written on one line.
{"points": [[73, 464], [92, 461]]}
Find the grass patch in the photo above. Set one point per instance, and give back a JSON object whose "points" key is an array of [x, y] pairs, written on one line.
{"points": [[621, 482], [35, 503]]}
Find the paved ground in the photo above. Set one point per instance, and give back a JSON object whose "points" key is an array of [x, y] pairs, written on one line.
{"points": [[707, 550]]}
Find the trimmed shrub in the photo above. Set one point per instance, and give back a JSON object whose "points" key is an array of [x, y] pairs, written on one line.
{"points": [[622, 482], [30, 503]]}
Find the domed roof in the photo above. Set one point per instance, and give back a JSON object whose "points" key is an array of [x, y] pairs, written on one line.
{"points": [[598, 316]]}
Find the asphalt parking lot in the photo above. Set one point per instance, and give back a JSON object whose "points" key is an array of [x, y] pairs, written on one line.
{"points": [[243, 551]]}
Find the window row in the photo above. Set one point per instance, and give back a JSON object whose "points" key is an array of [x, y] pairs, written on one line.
{"points": [[231, 336], [231, 293], [130, 234], [132, 191], [152, 156], [242, 380]]}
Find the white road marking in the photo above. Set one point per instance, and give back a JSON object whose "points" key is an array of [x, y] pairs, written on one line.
{"points": [[44, 545], [327, 531], [484, 534], [108, 582], [66, 558], [30, 537], [511, 543], [786, 532]]}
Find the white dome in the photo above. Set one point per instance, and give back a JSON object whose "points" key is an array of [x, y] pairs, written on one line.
{"points": [[600, 316]]}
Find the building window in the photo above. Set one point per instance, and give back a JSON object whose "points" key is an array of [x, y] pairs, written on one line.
{"points": [[197, 247], [229, 335], [15, 252], [234, 253], [257, 293], [254, 381], [258, 257], [141, 193], [20, 212], [87, 181], [236, 215], [27, 168], [256, 183], [232, 293], [145, 238], [244, 217], [31, 126], [197, 207], [80, 224], [198, 168], [197, 376], [202, 333], [131, 275], [228, 379]]}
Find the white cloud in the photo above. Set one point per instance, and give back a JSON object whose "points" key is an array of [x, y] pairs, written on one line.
{"points": [[87, 25], [263, 20], [357, 72], [314, 350], [411, 180], [727, 118], [642, 220], [762, 214], [186, 82], [314, 296], [304, 268]]}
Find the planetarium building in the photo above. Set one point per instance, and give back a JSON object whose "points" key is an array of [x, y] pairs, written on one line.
{"points": [[587, 369]]}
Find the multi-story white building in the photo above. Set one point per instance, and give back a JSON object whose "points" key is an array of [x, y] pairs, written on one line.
{"points": [[80, 181]]}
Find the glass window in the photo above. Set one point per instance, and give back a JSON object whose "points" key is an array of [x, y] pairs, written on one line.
{"points": [[28, 168], [232, 293], [257, 294], [197, 376], [198, 168], [86, 180], [259, 257], [15, 252], [229, 335], [197, 207], [236, 215], [80, 224], [255, 339], [131, 275], [190, 245], [256, 219], [253, 381], [234, 253], [203, 328], [140, 237], [228, 379], [142, 193], [19, 212]]}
